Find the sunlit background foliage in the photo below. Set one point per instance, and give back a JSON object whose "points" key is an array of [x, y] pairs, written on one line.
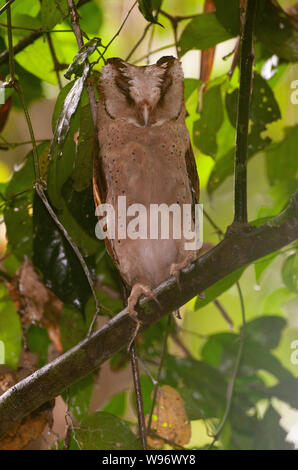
{"points": [[202, 347]]}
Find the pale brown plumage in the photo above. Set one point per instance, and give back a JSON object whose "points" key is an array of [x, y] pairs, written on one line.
{"points": [[146, 155]]}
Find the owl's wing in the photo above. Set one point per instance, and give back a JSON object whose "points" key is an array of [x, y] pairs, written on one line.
{"points": [[100, 193], [193, 176]]}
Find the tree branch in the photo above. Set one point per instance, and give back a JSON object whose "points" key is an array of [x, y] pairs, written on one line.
{"points": [[246, 63], [234, 251]]}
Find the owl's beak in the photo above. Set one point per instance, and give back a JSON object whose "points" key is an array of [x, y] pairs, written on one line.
{"points": [[145, 111]]}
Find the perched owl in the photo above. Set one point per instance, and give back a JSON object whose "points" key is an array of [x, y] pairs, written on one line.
{"points": [[145, 155]]}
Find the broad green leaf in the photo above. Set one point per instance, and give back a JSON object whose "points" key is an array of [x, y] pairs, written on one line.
{"points": [[78, 397], [195, 404], [190, 85], [290, 273], [104, 431], [199, 377], [219, 288], [263, 263], [221, 350], [55, 258], [73, 327], [286, 391], [266, 330], [211, 118], [224, 166], [36, 58], [275, 300], [270, 435], [147, 7], [227, 14], [53, 12], [18, 209], [281, 158], [38, 341], [264, 107], [82, 172], [10, 329], [276, 31], [91, 17], [117, 404], [202, 32]]}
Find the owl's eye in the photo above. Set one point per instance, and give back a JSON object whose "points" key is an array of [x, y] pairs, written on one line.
{"points": [[166, 84], [122, 83]]}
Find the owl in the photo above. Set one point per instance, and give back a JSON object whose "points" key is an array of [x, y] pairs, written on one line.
{"points": [[145, 155]]}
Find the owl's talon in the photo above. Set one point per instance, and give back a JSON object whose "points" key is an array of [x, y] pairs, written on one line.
{"points": [[175, 271]]}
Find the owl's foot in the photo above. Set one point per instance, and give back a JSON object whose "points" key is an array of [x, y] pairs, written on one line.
{"points": [[136, 292], [176, 268]]}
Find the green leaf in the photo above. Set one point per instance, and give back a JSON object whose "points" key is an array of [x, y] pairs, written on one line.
{"points": [[78, 397], [290, 273], [270, 435], [221, 350], [78, 64], [211, 118], [264, 107], [53, 12], [190, 85], [38, 342], [281, 158], [227, 14], [224, 166], [266, 330], [10, 329], [195, 404], [116, 405], [82, 172], [286, 391], [104, 431], [219, 288], [263, 263], [91, 18], [206, 382], [73, 327], [202, 32], [276, 31], [147, 7], [55, 258], [17, 213]]}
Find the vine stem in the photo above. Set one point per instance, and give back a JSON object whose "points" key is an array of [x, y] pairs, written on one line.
{"points": [[246, 74], [231, 384]]}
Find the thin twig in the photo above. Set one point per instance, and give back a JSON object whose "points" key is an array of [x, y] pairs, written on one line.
{"points": [[139, 398], [38, 30], [5, 7], [20, 46], [224, 313], [139, 42], [153, 52], [55, 60], [246, 70]]}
